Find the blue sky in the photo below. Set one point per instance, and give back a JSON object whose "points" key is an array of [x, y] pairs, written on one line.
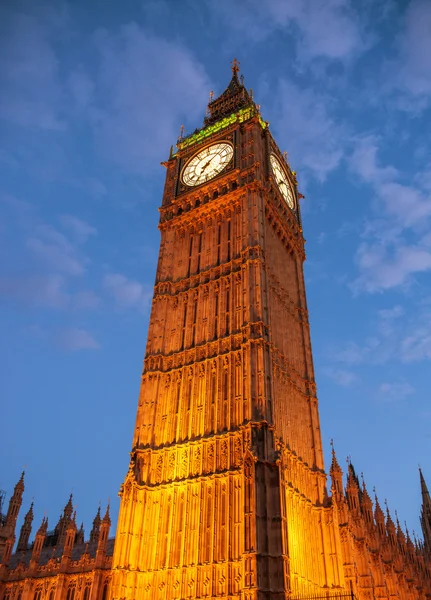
{"points": [[93, 95]]}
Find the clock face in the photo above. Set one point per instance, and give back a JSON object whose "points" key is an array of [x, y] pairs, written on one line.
{"points": [[207, 164], [282, 181]]}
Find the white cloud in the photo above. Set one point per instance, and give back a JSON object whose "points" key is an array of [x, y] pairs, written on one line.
{"points": [[127, 293], [46, 291], [55, 251], [75, 339], [331, 30], [400, 336], [341, 377], [396, 390], [146, 87], [316, 141], [388, 257], [412, 69], [78, 227]]}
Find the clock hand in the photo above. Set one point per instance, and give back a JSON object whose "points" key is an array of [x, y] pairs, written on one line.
{"points": [[205, 166]]}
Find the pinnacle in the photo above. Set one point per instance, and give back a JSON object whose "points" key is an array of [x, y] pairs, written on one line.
{"points": [[20, 485], [107, 517], [424, 488], [334, 464], [29, 516]]}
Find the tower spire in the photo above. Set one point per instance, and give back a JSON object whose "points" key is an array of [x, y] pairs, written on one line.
{"points": [[234, 98]]}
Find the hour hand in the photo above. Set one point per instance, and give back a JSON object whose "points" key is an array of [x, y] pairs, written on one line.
{"points": [[205, 166]]}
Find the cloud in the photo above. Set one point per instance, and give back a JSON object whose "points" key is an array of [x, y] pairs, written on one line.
{"points": [[137, 114], [75, 339], [316, 141], [417, 344], [48, 291], [331, 30], [127, 293], [29, 70], [411, 71], [401, 336], [78, 227], [55, 251], [389, 257], [341, 377], [396, 391]]}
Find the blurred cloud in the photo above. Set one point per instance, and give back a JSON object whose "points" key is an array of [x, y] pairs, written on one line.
{"points": [[127, 293], [75, 339], [331, 30], [395, 391], [78, 227], [316, 140], [388, 256], [411, 71], [341, 377]]}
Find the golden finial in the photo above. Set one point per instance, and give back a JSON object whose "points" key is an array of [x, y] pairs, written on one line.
{"points": [[235, 67]]}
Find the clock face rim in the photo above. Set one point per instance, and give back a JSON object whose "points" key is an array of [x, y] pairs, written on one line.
{"points": [[288, 195], [212, 174]]}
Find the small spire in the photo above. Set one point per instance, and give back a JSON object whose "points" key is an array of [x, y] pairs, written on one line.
{"points": [[43, 527], [68, 509], [334, 464], [424, 488], [20, 485], [107, 517], [235, 67], [29, 516]]}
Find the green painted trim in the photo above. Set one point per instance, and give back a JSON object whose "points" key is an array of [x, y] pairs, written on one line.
{"points": [[242, 115]]}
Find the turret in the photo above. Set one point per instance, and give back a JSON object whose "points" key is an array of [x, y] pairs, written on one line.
{"points": [[336, 477], [80, 535], [39, 540], [63, 522], [103, 537], [69, 542], [366, 506], [352, 492], [390, 528], [7, 533], [379, 518], [25, 532], [15, 504], [95, 531]]}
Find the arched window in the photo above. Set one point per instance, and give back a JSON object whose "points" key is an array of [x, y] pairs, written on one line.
{"points": [[105, 591], [52, 594], [71, 593], [87, 592], [37, 594], [19, 595]]}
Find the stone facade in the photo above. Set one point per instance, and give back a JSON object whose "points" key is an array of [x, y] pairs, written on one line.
{"points": [[226, 494], [58, 565]]}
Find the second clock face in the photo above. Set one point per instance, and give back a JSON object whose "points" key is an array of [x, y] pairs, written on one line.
{"points": [[207, 164], [282, 181]]}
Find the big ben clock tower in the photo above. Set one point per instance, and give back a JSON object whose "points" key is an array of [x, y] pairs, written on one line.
{"points": [[225, 494]]}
